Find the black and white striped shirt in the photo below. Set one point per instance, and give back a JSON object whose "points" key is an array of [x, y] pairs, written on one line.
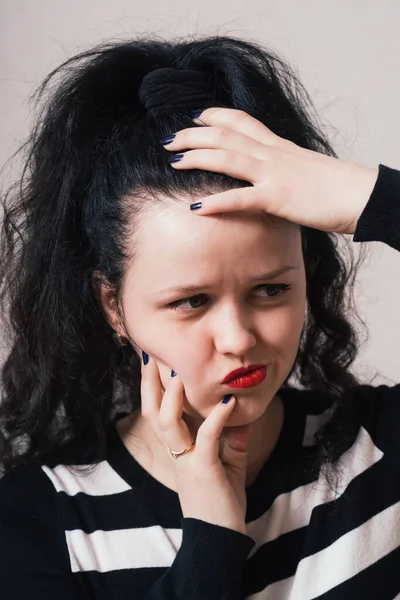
{"points": [[118, 533]]}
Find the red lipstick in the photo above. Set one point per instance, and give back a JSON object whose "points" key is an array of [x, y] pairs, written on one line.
{"points": [[246, 377]]}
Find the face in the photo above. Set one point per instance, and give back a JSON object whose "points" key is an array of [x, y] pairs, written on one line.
{"points": [[235, 314]]}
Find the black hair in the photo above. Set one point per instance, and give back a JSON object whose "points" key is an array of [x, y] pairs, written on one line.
{"points": [[92, 146]]}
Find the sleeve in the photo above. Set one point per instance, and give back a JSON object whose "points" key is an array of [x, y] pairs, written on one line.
{"points": [[380, 222], [380, 219], [34, 560], [34, 563], [208, 566]]}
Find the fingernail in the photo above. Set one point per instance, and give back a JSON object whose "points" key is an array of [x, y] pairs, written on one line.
{"points": [[173, 373], [145, 357], [196, 115], [226, 398], [167, 140], [175, 158], [196, 205]]}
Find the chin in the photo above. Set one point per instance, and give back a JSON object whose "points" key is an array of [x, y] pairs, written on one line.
{"points": [[247, 410]]}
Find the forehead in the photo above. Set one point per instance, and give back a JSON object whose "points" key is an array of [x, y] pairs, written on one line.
{"points": [[176, 224], [172, 239]]}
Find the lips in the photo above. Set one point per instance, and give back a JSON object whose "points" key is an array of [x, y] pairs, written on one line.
{"points": [[242, 372], [250, 380]]}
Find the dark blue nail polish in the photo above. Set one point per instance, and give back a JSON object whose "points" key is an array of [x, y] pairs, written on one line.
{"points": [[145, 357], [173, 373], [227, 398], [167, 140], [196, 115], [196, 205], [175, 158]]}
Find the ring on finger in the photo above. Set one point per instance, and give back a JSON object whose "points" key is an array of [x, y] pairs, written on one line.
{"points": [[176, 454]]}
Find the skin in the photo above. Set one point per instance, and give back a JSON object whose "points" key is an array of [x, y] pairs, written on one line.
{"points": [[225, 247], [236, 323]]}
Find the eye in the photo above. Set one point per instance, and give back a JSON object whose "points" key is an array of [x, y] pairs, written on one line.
{"points": [[274, 289], [195, 300], [198, 301]]}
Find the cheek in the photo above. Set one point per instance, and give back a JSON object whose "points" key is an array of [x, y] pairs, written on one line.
{"points": [[282, 329], [171, 349]]}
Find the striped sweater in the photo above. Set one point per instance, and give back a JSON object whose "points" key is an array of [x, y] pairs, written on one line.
{"points": [[117, 533]]}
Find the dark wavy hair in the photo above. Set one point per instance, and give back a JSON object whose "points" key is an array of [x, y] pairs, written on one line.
{"points": [[92, 163]]}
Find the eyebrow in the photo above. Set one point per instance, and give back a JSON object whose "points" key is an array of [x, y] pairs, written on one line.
{"points": [[188, 289]]}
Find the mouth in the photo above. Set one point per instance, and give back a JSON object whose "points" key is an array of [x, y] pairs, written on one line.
{"points": [[245, 378]]}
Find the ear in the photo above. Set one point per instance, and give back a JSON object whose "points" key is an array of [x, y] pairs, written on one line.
{"points": [[105, 298]]}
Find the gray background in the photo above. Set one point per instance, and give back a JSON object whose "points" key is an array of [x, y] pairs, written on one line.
{"points": [[346, 53]]}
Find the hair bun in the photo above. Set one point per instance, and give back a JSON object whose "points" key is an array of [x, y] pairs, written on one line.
{"points": [[166, 89]]}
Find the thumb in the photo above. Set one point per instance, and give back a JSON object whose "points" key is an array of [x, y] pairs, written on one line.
{"points": [[235, 446], [238, 438]]}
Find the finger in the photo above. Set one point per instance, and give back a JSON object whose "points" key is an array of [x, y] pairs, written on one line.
{"points": [[216, 137], [209, 432], [240, 121], [247, 198], [174, 431], [233, 163], [150, 391]]}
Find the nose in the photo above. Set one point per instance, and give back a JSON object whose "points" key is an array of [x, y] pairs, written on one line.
{"points": [[233, 332]]}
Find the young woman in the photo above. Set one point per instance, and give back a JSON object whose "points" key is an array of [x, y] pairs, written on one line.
{"points": [[178, 417]]}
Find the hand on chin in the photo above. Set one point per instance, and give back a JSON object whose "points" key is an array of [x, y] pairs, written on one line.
{"points": [[238, 437]]}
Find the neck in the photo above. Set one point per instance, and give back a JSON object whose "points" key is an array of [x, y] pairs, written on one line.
{"points": [[150, 452]]}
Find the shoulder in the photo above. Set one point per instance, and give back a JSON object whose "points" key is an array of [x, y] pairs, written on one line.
{"points": [[31, 514], [28, 499], [34, 557], [376, 409], [25, 480]]}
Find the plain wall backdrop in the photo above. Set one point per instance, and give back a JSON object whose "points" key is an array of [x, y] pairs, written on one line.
{"points": [[345, 52]]}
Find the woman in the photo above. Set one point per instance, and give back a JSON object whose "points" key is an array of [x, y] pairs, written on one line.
{"points": [[204, 471]]}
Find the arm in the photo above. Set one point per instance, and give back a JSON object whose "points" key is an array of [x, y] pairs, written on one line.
{"points": [[208, 566], [35, 564], [380, 219]]}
